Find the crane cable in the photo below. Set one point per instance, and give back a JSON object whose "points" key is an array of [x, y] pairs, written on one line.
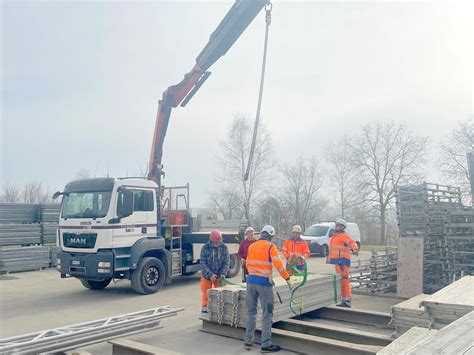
{"points": [[268, 20]]}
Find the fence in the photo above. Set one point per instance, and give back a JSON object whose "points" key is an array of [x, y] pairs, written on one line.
{"points": [[378, 275], [27, 236]]}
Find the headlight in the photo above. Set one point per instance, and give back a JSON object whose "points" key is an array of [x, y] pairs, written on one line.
{"points": [[103, 271], [104, 264], [58, 261]]}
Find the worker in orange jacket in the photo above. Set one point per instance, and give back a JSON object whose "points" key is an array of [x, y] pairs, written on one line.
{"points": [[340, 247], [295, 247], [261, 258]]}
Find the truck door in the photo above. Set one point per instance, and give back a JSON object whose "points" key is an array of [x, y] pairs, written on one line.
{"points": [[136, 225]]}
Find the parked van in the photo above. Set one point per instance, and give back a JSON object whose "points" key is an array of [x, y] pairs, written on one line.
{"points": [[317, 236]]}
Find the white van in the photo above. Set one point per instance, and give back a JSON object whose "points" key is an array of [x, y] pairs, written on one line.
{"points": [[317, 236]]}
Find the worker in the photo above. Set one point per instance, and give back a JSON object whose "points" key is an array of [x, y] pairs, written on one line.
{"points": [[340, 246], [295, 247], [243, 250], [215, 261], [261, 255]]}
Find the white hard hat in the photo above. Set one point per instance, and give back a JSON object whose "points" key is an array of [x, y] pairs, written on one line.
{"points": [[341, 222], [268, 229], [249, 229], [296, 228]]}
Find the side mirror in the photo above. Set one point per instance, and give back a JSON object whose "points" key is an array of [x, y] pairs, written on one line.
{"points": [[57, 194], [125, 205]]}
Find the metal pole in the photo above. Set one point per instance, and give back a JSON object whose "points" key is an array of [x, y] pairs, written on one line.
{"points": [[470, 166]]}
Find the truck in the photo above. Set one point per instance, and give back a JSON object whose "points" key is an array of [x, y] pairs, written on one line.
{"points": [[136, 228]]}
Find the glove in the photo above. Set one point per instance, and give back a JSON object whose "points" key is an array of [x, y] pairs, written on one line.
{"points": [[289, 283]]}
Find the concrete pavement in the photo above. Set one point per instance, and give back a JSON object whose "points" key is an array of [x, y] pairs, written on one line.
{"points": [[39, 300]]}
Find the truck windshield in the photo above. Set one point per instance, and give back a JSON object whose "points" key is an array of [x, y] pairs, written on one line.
{"points": [[316, 231], [86, 204]]}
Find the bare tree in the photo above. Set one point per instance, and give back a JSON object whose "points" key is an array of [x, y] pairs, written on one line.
{"points": [[34, 192], [343, 177], [386, 155], [227, 201], [302, 182], [233, 163], [10, 193], [453, 160], [82, 174]]}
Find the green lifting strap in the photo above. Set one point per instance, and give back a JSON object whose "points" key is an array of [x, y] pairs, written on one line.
{"points": [[228, 282], [304, 274]]}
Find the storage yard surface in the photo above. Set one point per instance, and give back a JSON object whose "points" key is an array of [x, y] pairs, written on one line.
{"points": [[33, 301]]}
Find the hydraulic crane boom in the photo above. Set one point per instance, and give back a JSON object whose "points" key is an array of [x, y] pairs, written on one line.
{"points": [[237, 19]]}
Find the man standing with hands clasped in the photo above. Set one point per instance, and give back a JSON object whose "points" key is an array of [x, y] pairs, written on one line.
{"points": [[215, 261], [243, 250]]}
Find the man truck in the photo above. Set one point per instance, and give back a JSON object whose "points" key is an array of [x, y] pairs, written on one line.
{"points": [[134, 228]]}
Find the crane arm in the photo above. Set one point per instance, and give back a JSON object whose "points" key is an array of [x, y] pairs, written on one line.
{"points": [[237, 19]]}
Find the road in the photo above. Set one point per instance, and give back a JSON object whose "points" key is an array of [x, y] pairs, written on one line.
{"points": [[39, 300]]}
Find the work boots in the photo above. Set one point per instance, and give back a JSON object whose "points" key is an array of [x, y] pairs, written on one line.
{"points": [[345, 304], [270, 349]]}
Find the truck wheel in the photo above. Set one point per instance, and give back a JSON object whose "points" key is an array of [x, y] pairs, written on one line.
{"points": [[234, 266], [149, 276], [325, 251], [95, 285]]}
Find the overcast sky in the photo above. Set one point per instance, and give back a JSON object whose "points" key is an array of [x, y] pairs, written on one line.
{"points": [[81, 81]]}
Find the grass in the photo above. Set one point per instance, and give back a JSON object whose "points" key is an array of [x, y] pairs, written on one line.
{"points": [[373, 247]]}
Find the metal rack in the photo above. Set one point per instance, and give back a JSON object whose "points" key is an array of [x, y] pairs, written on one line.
{"points": [[436, 213]]}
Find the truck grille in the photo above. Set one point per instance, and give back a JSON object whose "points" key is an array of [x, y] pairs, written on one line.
{"points": [[73, 240]]}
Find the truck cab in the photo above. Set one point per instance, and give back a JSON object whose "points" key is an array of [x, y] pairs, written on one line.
{"points": [[117, 228]]}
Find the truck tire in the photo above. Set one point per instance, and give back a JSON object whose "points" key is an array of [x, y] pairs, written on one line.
{"points": [[234, 267], [95, 285], [325, 251], [149, 276]]}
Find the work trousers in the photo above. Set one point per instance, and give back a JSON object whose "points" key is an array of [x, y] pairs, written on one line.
{"points": [[343, 270], [206, 285], [265, 294], [245, 272]]}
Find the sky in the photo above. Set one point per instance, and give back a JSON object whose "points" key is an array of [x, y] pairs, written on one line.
{"points": [[81, 81]]}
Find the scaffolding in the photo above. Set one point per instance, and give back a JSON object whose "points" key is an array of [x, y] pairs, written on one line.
{"points": [[88, 333]]}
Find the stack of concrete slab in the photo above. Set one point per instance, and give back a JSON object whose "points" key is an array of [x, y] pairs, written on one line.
{"points": [[404, 342], [23, 259], [455, 338], [227, 304], [450, 303], [408, 314]]}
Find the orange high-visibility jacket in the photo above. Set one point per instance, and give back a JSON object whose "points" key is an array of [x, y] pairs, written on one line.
{"points": [[293, 248], [262, 255], [340, 247]]}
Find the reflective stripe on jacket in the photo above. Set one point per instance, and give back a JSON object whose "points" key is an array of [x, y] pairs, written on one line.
{"points": [[261, 258], [294, 248], [340, 247]]}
